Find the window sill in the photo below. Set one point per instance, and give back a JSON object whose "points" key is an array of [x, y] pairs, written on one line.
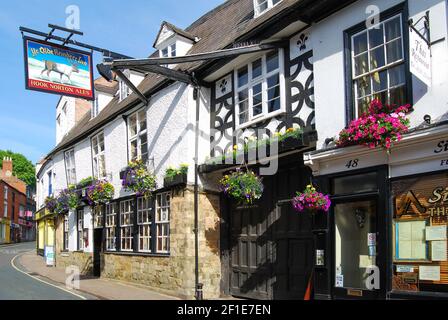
{"points": [[138, 254], [260, 119]]}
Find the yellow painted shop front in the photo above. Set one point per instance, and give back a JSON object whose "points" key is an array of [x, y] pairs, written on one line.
{"points": [[45, 231]]}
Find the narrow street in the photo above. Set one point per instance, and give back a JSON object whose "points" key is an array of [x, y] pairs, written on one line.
{"points": [[15, 285]]}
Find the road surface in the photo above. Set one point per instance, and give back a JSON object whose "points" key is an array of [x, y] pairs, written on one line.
{"points": [[15, 285]]}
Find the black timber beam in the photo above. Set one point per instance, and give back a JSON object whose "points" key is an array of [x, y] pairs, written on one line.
{"points": [[128, 82]]}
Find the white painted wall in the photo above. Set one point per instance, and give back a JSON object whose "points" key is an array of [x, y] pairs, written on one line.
{"points": [[103, 100], [329, 73], [67, 120]]}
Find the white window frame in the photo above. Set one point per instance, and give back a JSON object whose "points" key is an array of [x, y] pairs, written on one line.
{"points": [[270, 5], [66, 233], [98, 154], [95, 107], [263, 80], [163, 224], [111, 226], [80, 229], [70, 166], [387, 66], [144, 221], [123, 90], [127, 228], [138, 134]]}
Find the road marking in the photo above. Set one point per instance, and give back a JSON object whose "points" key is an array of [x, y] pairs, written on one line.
{"points": [[47, 283]]}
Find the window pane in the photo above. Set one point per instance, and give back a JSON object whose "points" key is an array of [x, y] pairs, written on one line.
{"points": [[133, 125], [272, 62], [354, 222], [256, 69], [360, 43], [355, 184], [361, 64], [363, 87], [398, 96], [393, 29], [382, 96], [376, 36], [274, 105], [377, 58], [394, 51], [257, 99], [142, 120], [134, 154], [379, 81], [242, 77], [397, 76]]}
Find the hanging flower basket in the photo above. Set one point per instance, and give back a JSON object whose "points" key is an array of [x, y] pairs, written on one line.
{"points": [[100, 192], [243, 186], [51, 204], [382, 126], [66, 200], [137, 178], [312, 200], [82, 188]]}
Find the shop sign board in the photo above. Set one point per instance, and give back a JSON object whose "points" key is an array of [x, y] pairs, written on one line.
{"points": [[420, 57], [57, 69]]}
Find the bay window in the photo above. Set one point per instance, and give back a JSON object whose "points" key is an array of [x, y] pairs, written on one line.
{"points": [[99, 156], [111, 225], [126, 224], [70, 168], [378, 68], [260, 88], [138, 137]]}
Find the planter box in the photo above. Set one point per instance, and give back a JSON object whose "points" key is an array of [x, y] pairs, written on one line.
{"points": [[179, 180]]}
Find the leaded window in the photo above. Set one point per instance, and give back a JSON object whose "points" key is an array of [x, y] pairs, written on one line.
{"points": [[144, 221], [126, 224], [163, 222], [111, 226]]}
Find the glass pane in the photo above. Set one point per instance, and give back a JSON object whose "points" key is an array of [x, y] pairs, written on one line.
{"points": [[272, 62], [361, 64], [393, 29], [382, 96], [133, 125], [257, 99], [142, 120], [274, 105], [273, 81], [394, 51], [363, 105], [397, 76], [256, 69], [360, 43], [398, 96], [379, 81], [355, 222], [376, 36], [377, 58], [363, 87], [242, 77], [355, 184], [134, 153]]}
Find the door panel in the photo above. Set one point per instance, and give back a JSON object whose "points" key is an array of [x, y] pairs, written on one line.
{"points": [[272, 245]]}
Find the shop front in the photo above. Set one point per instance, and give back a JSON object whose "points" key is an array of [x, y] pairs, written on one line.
{"points": [[386, 234], [45, 231]]}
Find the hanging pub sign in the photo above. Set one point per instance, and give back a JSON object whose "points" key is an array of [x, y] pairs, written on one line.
{"points": [[420, 57], [58, 69]]}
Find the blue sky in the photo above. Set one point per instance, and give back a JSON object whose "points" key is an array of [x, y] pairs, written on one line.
{"points": [[27, 118]]}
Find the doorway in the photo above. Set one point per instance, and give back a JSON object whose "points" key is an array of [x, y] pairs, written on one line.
{"points": [[97, 251]]}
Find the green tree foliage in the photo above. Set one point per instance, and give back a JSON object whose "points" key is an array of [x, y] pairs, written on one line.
{"points": [[22, 167]]}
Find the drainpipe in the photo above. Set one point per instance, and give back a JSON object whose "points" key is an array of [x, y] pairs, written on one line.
{"points": [[198, 286]]}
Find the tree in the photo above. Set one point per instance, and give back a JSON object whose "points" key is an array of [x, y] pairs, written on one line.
{"points": [[22, 167]]}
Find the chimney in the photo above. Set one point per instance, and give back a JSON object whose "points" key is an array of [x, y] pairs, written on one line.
{"points": [[7, 167]]}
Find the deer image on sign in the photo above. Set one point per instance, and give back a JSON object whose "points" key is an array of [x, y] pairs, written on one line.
{"points": [[57, 69]]}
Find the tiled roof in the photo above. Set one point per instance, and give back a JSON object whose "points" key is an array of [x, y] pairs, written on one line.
{"points": [[217, 29]]}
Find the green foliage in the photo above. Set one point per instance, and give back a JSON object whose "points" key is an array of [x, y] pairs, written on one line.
{"points": [[84, 183], [137, 178], [22, 167], [101, 192], [171, 172]]}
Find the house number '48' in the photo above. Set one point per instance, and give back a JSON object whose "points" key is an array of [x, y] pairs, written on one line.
{"points": [[353, 164]]}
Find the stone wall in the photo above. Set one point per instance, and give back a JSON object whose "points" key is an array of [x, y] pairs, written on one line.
{"points": [[82, 260], [176, 274]]}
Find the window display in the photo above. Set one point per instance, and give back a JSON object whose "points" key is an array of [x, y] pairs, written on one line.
{"points": [[420, 233]]}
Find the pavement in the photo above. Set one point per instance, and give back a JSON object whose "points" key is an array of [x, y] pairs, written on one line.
{"points": [[24, 275]]}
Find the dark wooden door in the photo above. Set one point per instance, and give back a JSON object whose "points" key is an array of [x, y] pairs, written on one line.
{"points": [[97, 250], [272, 245]]}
